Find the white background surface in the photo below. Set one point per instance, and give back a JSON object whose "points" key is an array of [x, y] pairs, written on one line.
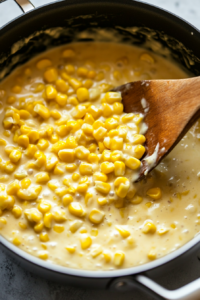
{"points": [[17, 284]]}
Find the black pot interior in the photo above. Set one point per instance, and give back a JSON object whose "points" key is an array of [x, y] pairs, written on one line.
{"points": [[129, 22]]}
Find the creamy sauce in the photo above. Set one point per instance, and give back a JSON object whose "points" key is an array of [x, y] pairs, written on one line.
{"points": [[175, 215]]}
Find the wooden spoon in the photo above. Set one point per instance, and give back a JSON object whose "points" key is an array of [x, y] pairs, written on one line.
{"points": [[170, 108]]}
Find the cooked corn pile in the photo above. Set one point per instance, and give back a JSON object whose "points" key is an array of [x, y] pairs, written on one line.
{"points": [[69, 156]]}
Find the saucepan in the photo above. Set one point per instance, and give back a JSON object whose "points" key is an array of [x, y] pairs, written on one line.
{"points": [[124, 21]]}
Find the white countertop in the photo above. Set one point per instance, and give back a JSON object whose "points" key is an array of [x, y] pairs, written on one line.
{"points": [[17, 284]]}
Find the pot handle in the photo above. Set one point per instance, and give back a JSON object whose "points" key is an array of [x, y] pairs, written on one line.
{"points": [[25, 5], [190, 291]]}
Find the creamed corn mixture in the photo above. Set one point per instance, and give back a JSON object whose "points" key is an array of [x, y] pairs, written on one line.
{"points": [[69, 156]]}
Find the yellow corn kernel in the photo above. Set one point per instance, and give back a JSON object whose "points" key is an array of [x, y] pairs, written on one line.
{"points": [[116, 156], [138, 139], [60, 145], [70, 167], [17, 211], [25, 183], [3, 142], [53, 184], [96, 251], [44, 206], [152, 254], [71, 142], [98, 124], [127, 117], [42, 111], [82, 188], [116, 143], [54, 138], [43, 64], [75, 83], [24, 114], [33, 136], [82, 72], [33, 215], [71, 249], [96, 216], [22, 225], [95, 111], [73, 126], [139, 151], [82, 94], [43, 254], [62, 130], [107, 256], [118, 108], [93, 158], [122, 185], [107, 167], [149, 227], [124, 232], [107, 110], [88, 119], [75, 177], [67, 155], [51, 92], [43, 144], [69, 69], [50, 162], [42, 177], [67, 199], [75, 225], [100, 76], [154, 193], [16, 241], [65, 76], [25, 129], [9, 167], [23, 141], [8, 122], [87, 129], [88, 83], [40, 159], [13, 187], [119, 168], [86, 169], [44, 237], [51, 75], [16, 89], [68, 53], [58, 228], [99, 133], [136, 200], [79, 112], [106, 155], [102, 187], [73, 101], [111, 123], [15, 156], [61, 86], [117, 75], [38, 227], [102, 201], [86, 241], [39, 88], [162, 231], [29, 194], [81, 152], [88, 198], [59, 215], [61, 99], [98, 176], [147, 58], [119, 257], [11, 100], [112, 97], [55, 114], [91, 74], [132, 163], [148, 204], [48, 217], [31, 150], [76, 209], [20, 175]]}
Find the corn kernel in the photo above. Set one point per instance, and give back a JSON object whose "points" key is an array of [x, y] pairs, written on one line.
{"points": [[81, 152], [88, 119], [116, 143], [38, 227], [16, 89], [42, 177], [102, 187], [75, 177], [43, 254], [17, 211], [138, 139], [119, 168], [93, 158], [23, 141], [29, 194], [51, 75], [51, 92], [124, 232], [11, 100], [15, 156], [107, 256], [40, 159], [86, 169], [98, 176], [82, 94], [75, 83], [119, 258], [60, 145], [67, 199], [76, 209], [13, 187], [44, 237], [70, 249], [162, 231], [122, 185], [31, 150], [33, 215], [132, 163], [16, 241], [59, 215], [79, 112], [24, 114], [102, 201], [43, 144], [112, 97], [86, 241], [43, 64], [107, 167], [44, 206], [68, 53], [99, 133], [154, 193], [25, 183], [75, 225], [51, 161], [118, 108], [67, 155], [152, 254], [149, 227], [61, 99], [95, 111], [48, 217], [39, 88], [136, 200], [22, 225], [107, 110], [87, 129], [147, 58]]}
